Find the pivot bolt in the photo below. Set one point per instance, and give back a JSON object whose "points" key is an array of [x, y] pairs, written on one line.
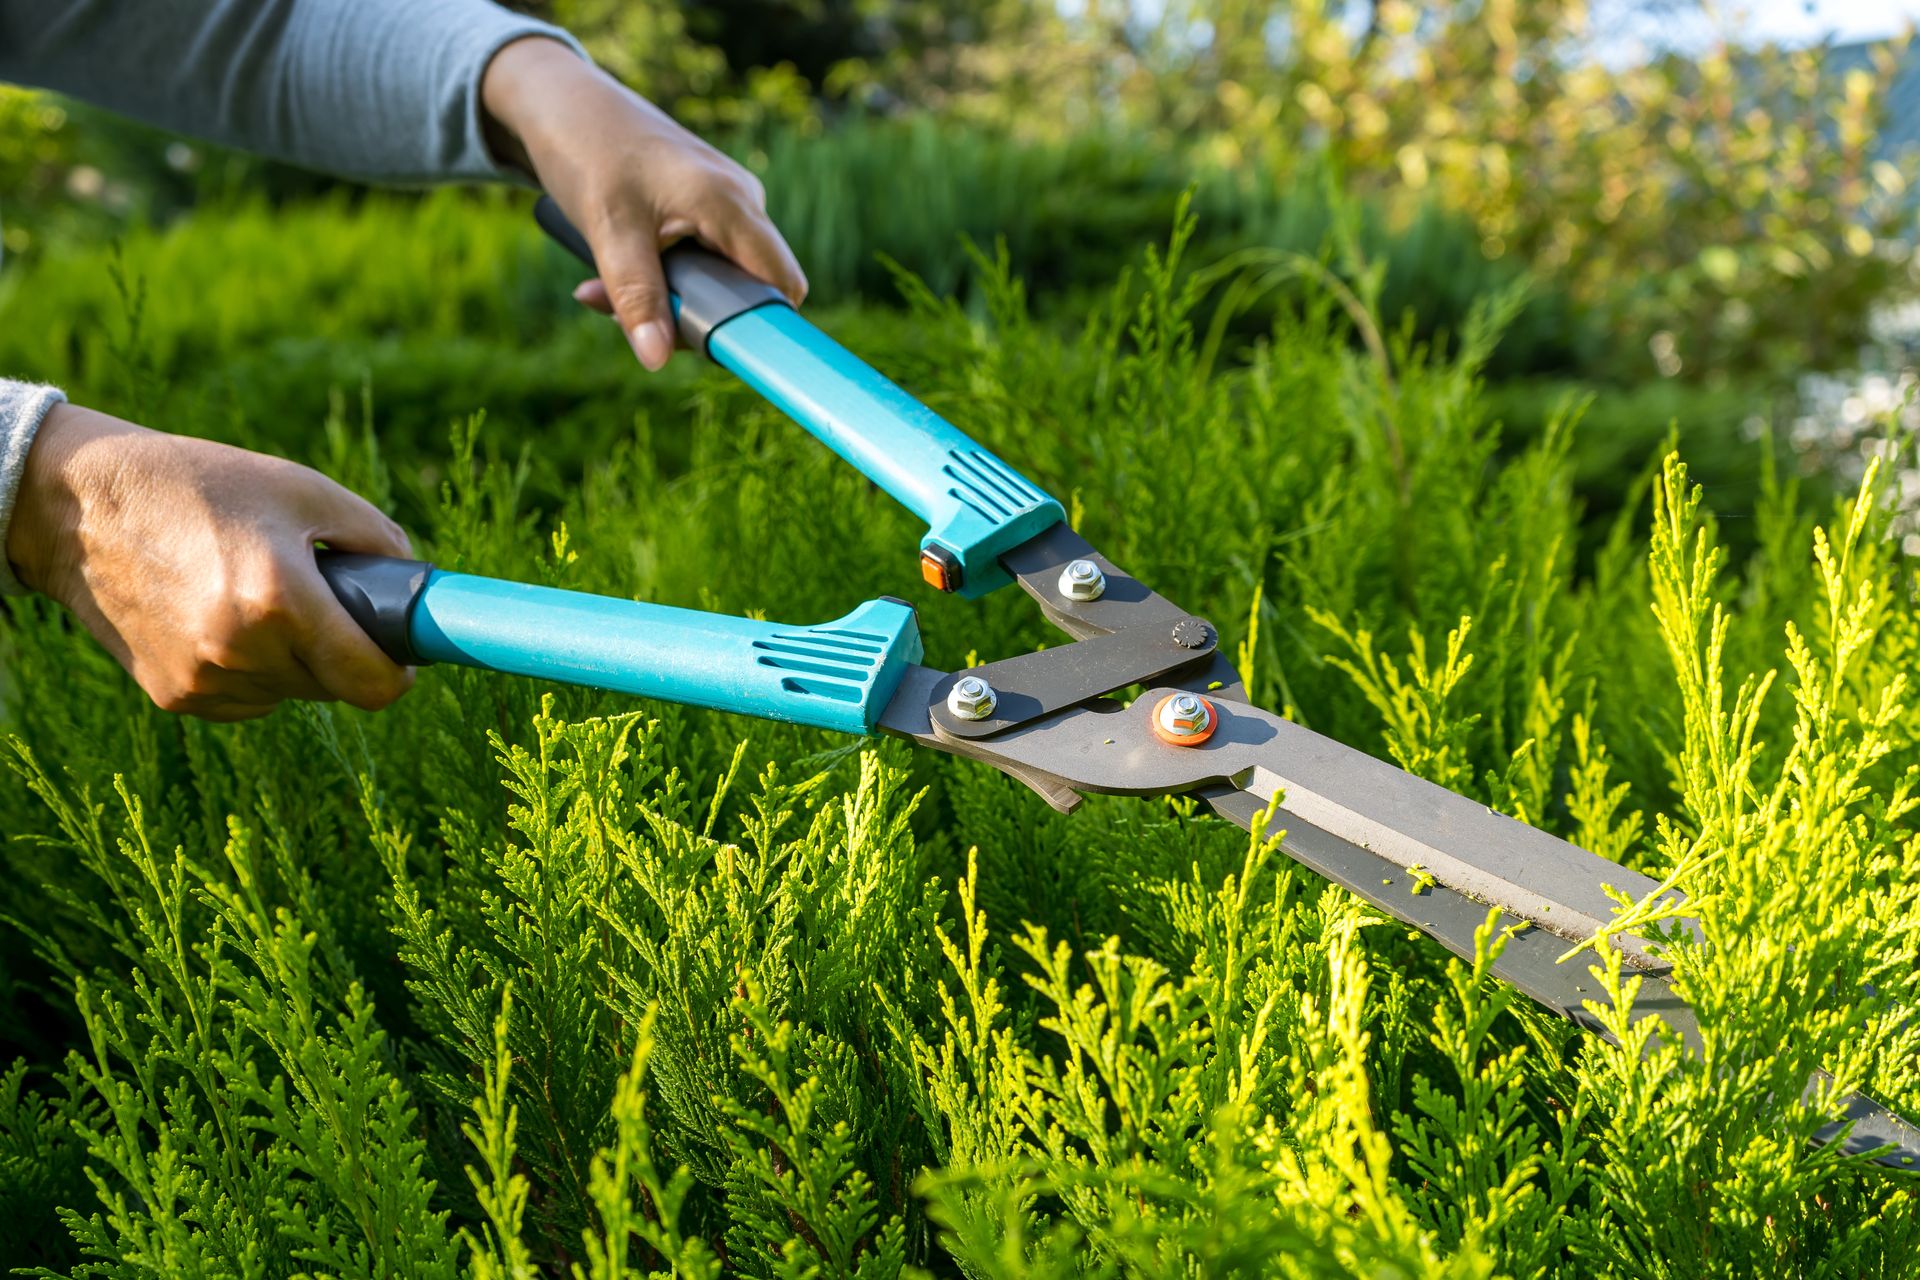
{"points": [[972, 698], [1184, 719], [1190, 633], [1082, 580]]}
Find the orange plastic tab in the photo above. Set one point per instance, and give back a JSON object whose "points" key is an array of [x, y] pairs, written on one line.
{"points": [[939, 570]]}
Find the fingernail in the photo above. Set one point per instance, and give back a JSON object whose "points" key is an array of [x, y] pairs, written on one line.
{"points": [[652, 342], [580, 290]]}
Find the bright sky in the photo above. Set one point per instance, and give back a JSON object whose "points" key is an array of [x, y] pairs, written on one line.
{"points": [[1805, 21]]}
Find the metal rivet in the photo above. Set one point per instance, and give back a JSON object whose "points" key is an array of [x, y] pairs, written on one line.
{"points": [[1082, 580], [1190, 633]]}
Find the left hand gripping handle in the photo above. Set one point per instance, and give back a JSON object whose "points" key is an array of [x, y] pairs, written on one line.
{"points": [[976, 507], [837, 675]]}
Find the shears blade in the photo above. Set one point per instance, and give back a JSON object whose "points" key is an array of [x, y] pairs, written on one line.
{"points": [[1424, 855]]}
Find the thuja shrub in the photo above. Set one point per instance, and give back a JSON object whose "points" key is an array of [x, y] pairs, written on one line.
{"points": [[515, 981]]}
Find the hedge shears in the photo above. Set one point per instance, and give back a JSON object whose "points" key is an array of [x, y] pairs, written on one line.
{"points": [[1421, 854]]}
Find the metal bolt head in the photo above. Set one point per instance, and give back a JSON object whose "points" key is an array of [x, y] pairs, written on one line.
{"points": [[1082, 580], [972, 698], [1183, 719]]}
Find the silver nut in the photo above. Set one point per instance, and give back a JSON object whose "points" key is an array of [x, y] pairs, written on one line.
{"points": [[1082, 580], [1185, 716], [972, 698]]}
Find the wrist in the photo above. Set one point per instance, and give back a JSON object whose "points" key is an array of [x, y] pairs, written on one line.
{"points": [[40, 503], [524, 83], [43, 529]]}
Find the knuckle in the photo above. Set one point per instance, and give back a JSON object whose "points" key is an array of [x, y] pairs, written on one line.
{"points": [[381, 689], [741, 190], [170, 695], [202, 681], [638, 297], [171, 702], [264, 598], [217, 651]]}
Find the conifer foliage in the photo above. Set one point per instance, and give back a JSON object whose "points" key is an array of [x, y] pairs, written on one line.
{"points": [[514, 981]]}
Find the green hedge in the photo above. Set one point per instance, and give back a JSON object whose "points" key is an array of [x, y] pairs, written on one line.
{"points": [[870, 193], [511, 977]]}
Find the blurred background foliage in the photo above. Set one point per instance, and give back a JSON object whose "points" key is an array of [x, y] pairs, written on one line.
{"points": [[1691, 206], [1729, 198], [1686, 209]]}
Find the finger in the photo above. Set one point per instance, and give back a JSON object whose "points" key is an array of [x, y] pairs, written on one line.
{"points": [[208, 697], [635, 284], [243, 657], [275, 681], [751, 240], [345, 521], [325, 640], [342, 658], [592, 293]]}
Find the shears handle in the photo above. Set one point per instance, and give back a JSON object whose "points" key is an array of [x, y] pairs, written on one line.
{"points": [[976, 506], [837, 675]]}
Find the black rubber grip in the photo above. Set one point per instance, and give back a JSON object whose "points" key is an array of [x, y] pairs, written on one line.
{"points": [[707, 289], [379, 592]]}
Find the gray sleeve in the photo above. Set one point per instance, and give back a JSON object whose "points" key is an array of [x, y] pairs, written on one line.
{"points": [[22, 406], [387, 90]]}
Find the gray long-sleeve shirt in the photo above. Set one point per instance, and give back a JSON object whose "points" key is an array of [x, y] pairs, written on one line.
{"points": [[386, 90]]}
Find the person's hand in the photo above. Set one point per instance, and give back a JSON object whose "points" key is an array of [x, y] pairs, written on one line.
{"points": [[193, 563], [633, 181]]}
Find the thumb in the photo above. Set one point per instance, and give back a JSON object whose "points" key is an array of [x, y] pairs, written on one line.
{"points": [[637, 287]]}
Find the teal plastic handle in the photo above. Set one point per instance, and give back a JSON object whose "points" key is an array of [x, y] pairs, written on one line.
{"points": [[838, 675], [976, 506]]}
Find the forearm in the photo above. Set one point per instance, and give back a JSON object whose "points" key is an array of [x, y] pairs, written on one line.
{"points": [[23, 406], [388, 90]]}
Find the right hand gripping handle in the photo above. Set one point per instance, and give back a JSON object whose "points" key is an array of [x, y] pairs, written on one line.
{"points": [[706, 289]]}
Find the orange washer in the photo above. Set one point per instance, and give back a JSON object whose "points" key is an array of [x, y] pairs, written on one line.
{"points": [[1192, 740]]}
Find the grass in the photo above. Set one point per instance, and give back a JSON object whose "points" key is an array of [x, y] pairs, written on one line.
{"points": [[512, 977]]}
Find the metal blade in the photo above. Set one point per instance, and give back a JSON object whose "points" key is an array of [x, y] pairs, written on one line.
{"points": [[1461, 843], [1410, 822], [1530, 961], [1366, 825]]}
